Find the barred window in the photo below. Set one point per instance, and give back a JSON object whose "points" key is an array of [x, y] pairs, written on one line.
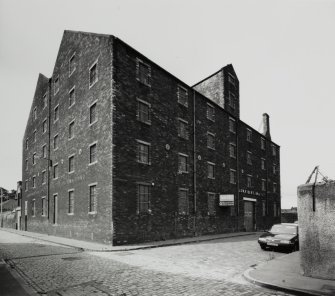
{"points": [[211, 203], [232, 125], [232, 100], [183, 129], [72, 64], [93, 198], [263, 185], [143, 111], [143, 152], [232, 176], [72, 97], [210, 170], [93, 115], [262, 143], [182, 163], [183, 206], [143, 195], [93, 153], [71, 164], [232, 150], [182, 96], [249, 157], [143, 73], [210, 141], [231, 79], [210, 112], [71, 202], [93, 73]]}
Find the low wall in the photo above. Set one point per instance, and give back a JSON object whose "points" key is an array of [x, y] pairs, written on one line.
{"points": [[316, 230], [8, 220]]}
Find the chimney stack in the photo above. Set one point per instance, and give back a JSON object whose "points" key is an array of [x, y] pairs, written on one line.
{"points": [[266, 126]]}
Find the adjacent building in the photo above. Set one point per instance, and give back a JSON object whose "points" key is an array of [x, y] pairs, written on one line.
{"points": [[118, 150]]}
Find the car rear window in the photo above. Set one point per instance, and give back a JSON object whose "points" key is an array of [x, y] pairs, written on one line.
{"points": [[287, 229]]}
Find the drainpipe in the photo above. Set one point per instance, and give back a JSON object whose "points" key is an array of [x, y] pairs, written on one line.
{"points": [[194, 170], [48, 152], [237, 175]]}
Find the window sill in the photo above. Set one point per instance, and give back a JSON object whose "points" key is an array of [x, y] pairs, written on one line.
{"points": [[70, 214], [72, 72], [55, 121], [93, 163], [145, 163], [92, 123], [71, 105], [211, 148], [145, 122], [93, 83], [70, 172], [70, 138], [184, 105], [143, 82], [92, 213]]}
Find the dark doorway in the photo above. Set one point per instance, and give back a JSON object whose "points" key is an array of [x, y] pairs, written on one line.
{"points": [[249, 215]]}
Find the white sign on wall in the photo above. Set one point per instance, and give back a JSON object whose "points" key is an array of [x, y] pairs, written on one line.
{"points": [[226, 200]]}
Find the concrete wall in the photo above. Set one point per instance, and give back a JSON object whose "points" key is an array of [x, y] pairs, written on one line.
{"points": [[316, 230]]}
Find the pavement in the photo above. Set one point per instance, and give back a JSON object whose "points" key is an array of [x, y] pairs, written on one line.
{"points": [[284, 274]]}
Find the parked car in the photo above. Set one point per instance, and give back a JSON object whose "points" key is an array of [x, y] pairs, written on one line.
{"points": [[282, 236]]}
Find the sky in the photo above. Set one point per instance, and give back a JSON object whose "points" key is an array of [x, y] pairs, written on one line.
{"points": [[283, 53]]}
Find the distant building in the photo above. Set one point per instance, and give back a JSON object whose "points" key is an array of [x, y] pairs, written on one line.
{"points": [[289, 215], [118, 150]]}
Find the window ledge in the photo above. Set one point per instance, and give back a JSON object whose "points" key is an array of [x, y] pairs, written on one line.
{"points": [[93, 163], [93, 83], [92, 123], [70, 214], [71, 172], [92, 213]]}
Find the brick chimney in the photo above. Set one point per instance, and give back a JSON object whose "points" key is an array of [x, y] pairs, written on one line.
{"points": [[266, 126]]}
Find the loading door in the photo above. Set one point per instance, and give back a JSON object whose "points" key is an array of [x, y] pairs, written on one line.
{"points": [[249, 215]]}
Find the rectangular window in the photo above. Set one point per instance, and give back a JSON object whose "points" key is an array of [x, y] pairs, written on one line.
{"points": [[56, 85], [183, 207], [34, 158], [93, 153], [232, 100], [71, 164], [27, 142], [274, 210], [44, 151], [71, 202], [143, 73], [56, 113], [26, 185], [93, 72], [210, 141], [232, 150], [55, 171], [182, 96], [274, 169], [44, 207], [274, 152], [26, 164], [249, 135], [232, 125], [44, 177], [35, 113], [249, 181], [71, 130], [262, 143], [33, 208], [143, 111], [44, 126], [93, 113], [34, 181], [263, 185], [34, 135], [72, 97], [72, 64], [182, 163], [55, 142], [232, 176], [231, 79], [93, 199], [143, 196], [263, 164], [211, 170], [274, 188], [210, 112], [249, 158], [263, 208], [211, 203], [183, 129], [143, 152], [45, 101]]}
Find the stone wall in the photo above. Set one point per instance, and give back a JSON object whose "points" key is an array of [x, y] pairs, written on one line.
{"points": [[316, 230]]}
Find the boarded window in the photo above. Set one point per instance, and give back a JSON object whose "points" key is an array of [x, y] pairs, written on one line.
{"points": [[93, 198], [71, 202], [182, 163], [183, 129], [183, 206], [211, 203]]}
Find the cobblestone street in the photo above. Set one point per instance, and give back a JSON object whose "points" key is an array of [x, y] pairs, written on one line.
{"points": [[208, 268]]}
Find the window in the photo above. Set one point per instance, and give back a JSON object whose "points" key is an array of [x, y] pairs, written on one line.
{"points": [[35, 113], [93, 198], [34, 135], [232, 176], [183, 207], [249, 181], [231, 79], [44, 177], [93, 153], [182, 96], [72, 64], [183, 129], [45, 101], [210, 112], [210, 141], [274, 169], [249, 135], [263, 208], [44, 126], [232, 100], [93, 72], [56, 85], [143, 152], [263, 185], [262, 143], [71, 164], [27, 142], [26, 164], [274, 210], [249, 155], [56, 113], [182, 163], [70, 202], [71, 130], [232, 150], [34, 158], [26, 185], [211, 203], [34, 181], [72, 97], [211, 170], [232, 125], [44, 151], [55, 171], [143, 197], [143, 111], [93, 113], [274, 188], [274, 152], [44, 207], [143, 73], [33, 208], [263, 164], [55, 142]]}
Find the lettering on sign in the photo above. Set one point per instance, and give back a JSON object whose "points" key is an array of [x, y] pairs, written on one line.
{"points": [[226, 200]]}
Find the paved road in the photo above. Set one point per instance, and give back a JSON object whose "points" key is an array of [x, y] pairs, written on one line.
{"points": [[209, 268]]}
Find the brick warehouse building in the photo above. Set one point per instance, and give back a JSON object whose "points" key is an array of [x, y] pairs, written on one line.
{"points": [[118, 150]]}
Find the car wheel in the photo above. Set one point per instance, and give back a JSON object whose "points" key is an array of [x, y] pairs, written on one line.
{"points": [[263, 247]]}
